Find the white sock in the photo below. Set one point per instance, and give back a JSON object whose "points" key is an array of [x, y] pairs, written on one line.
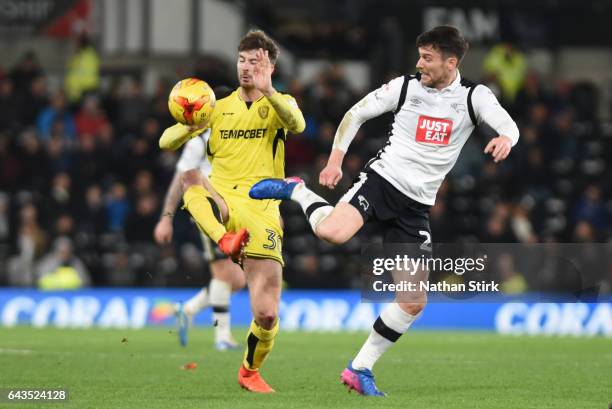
{"points": [[220, 295], [387, 329], [197, 303], [314, 206]]}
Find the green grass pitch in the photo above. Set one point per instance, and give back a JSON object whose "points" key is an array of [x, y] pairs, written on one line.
{"points": [[141, 369]]}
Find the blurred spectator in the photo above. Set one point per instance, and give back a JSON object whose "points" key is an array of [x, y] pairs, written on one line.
{"points": [[130, 106], [25, 72], [35, 101], [83, 70], [143, 184], [33, 161], [521, 226], [31, 243], [118, 268], [92, 215], [56, 113], [9, 108], [142, 220], [60, 195], [59, 154], [90, 120], [117, 207], [590, 208], [506, 66], [530, 94], [330, 96], [61, 269], [89, 164], [584, 233]]}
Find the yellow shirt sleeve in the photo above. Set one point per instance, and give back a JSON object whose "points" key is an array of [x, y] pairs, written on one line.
{"points": [[288, 112], [176, 135]]}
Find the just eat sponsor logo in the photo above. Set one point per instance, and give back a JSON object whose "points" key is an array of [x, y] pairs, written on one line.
{"points": [[436, 131]]}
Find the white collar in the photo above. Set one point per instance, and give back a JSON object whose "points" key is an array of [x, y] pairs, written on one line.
{"points": [[452, 87]]}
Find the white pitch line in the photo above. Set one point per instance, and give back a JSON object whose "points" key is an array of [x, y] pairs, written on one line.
{"points": [[10, 351]]}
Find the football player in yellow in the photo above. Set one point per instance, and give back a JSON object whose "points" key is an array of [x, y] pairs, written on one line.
{"points": [[248, 130]]}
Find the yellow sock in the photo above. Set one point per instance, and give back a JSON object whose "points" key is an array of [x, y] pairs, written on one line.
{"points": [[204, 210], [259, 344]]}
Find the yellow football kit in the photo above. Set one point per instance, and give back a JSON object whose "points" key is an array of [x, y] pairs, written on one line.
{"points": [[246, 145]]}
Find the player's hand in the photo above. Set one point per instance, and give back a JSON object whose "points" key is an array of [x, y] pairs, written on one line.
{"points": [[262, 73], [193, 128], [499, 148], [163, 230], [330, 176]]}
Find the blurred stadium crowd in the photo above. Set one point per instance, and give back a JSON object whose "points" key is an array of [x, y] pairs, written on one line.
{"points": [[82, 178]]}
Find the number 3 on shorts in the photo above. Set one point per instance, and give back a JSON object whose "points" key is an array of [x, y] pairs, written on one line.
{"points": [[272, 238]]}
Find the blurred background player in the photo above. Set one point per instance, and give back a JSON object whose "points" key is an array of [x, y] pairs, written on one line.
{"points": [[248, 131], [226, 276], [435, 113]]}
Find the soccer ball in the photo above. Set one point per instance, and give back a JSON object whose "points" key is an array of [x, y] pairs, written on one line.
{"points": [[191, 102]]}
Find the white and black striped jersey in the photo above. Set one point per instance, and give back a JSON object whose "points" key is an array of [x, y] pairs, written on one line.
{"points": [[429, 129], [194, 155]]}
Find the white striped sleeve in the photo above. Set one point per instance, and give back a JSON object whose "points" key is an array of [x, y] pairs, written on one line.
{"points": [[488, 110], [377, 102]]}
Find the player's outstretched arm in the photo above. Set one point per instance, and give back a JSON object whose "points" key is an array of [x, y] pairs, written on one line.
{"points": [[489, 110], [376, 103], [163, 230], [175, 136]]}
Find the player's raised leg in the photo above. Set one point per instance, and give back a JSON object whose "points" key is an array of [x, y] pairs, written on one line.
{"points": [[333, 224], [264, 278], [207, 214]]}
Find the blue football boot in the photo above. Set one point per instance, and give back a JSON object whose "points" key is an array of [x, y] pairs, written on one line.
{"points": [[280, 189], [361, 380]]}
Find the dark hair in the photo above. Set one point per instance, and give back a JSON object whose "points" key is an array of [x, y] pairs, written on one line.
{"points": [[446, 39], [255, 39]]}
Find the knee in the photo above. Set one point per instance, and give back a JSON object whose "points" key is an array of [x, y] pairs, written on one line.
{"points": [[413, 308], [266, 318], [332, 233], [191, 178]]}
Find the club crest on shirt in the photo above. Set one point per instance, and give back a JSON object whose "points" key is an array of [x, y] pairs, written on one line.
{"points": [[458, 107], [363, 203], [263, 111]]}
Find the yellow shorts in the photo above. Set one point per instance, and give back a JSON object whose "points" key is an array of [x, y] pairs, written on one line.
{"points": [[261, 218]]}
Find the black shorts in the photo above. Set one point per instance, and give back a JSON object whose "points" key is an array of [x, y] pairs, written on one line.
{"points": [[401, 219]]}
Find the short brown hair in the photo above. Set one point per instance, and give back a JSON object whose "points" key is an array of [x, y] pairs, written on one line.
{"points": [[255, 39], [446, 39]]}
